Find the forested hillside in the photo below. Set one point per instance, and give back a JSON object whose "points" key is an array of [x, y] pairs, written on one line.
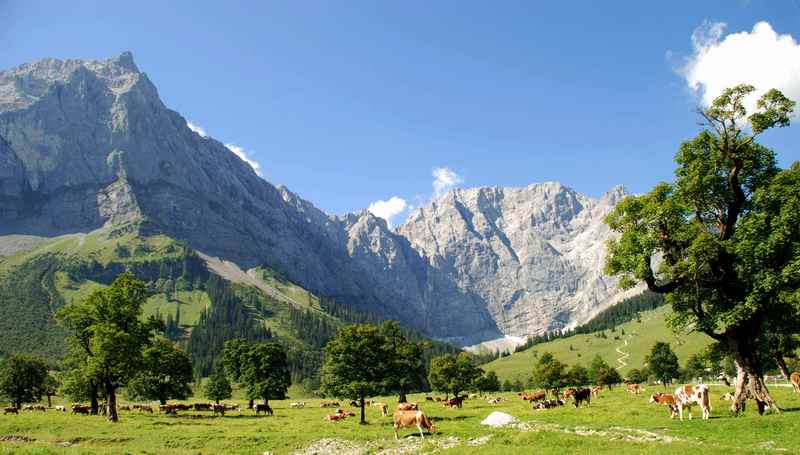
{"points": [[200, 309]]}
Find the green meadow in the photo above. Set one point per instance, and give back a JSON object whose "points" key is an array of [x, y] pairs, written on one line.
{"points": [[634, 338], [616, 422]]}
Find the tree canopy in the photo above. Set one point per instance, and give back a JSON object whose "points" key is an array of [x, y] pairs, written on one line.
{"points": [[218, 387], [723, 240], [23, 379], [453, 373], [358, 364], [165, 374], [663, 363], [261, 368], [107, 330], [549, 373]]}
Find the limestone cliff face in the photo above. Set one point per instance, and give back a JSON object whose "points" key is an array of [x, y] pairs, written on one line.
{"points": [[89, 144], [533, 254]]}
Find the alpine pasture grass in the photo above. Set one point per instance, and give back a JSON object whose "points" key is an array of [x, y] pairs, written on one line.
{"points": [[617, 422]]}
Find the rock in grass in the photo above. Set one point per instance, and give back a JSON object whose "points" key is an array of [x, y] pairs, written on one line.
{"points": [[499, 419]]}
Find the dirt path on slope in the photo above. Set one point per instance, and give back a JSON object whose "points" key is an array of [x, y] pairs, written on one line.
{"points": [[623, 355]]}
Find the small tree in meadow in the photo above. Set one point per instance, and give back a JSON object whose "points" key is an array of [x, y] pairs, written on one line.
{"points": [[23, 379], [218, 387], [453, 373], [663, 363], [549, 373], [165, 375]]}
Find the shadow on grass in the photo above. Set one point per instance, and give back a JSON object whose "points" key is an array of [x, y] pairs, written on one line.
{"points": [[439, 419]]}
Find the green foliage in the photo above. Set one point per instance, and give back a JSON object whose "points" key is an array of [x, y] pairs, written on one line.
{"points": [[108, 334], [663, 363], [227, 319], [728, 230], [488, 382], [549, 373], [578, 376], [262, 369], [453, 373], [165, 374], [218, 387], [406, 362], [23, 379], [637, 376], [601, 373]]}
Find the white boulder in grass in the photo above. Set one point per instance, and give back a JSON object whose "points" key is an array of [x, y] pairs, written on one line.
{"points": [[499, 419]]}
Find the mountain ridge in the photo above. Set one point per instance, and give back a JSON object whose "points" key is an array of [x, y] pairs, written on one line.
{"points": [[89, 144]]}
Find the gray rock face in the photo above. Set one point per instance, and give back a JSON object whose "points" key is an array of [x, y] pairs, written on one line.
{"points": [[87, 144], [534, 255]]}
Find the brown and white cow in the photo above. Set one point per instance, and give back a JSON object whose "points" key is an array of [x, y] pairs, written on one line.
{"points": [[403, 419], [11, 410], [688, 395], [80, 409], [454, 402], [794, 378], [328, 404], [533, 396], [667, 399], [635, 388], [596, 391], [407, 407], [383, 407]]}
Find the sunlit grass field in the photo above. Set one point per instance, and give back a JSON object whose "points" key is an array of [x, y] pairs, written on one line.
{"points": [[580, 349], [617, 422]]}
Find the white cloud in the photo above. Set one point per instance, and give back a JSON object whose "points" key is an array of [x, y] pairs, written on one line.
{"points": [[196, 129], [388, 209], [242, 154], [443, 180], [761, 57]]}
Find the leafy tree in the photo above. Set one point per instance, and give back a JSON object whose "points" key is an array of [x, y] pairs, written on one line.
{"points": [[578, 376], [728, 233], [107, 327], [487, 382], [261, 368], [165, 374], [357, 364], [218, 388], [507, 386], [23, 379], [663, 363], [453, 373], [696, 366], [637, 376], [549, 373], [407, 369], [608, 377]]}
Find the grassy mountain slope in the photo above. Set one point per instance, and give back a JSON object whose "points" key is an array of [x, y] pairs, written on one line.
{"points": [[580, 349]]}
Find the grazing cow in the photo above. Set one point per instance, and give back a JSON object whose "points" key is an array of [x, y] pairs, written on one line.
{"points": [[299, 404], [355, 404], [11, 410], [261, 407], [688, 395], [328, 404], [635, 388], [428, 398], [218, 409], [147, 409], [668, 400], [123, 407], [596, 391], [383, 407], [407, 406], [203, 406], [438, 398], [794, 378], [533, 396], [338, 415], [34, 407], [61, 408], [493, 400], [80, 409], [454, 402], [723, 378], [168, 408], [417, 419], [582, 395], [726, 396], [183, 407]]}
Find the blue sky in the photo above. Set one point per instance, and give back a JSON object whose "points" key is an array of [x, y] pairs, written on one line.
{"points": [[352, 102]]}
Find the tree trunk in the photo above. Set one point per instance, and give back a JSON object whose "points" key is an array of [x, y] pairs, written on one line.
{"points": [[782, 365], [250, 404], [162, 401], [18, 403], [93, 404], [49, 401], [217, 401], [402, 398], [111, 408], [749, 380], [363, 420]]}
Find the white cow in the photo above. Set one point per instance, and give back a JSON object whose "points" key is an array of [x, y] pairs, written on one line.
{"points": [[688, 395]]}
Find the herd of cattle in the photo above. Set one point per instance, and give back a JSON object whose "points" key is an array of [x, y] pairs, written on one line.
{"points": [[410, 414]]}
